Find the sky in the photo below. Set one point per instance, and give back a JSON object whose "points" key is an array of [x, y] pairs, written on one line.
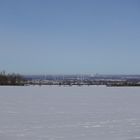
{"points": [[70, 36]]}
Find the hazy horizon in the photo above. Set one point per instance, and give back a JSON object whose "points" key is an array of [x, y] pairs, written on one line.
{"points": [[70, 37]]}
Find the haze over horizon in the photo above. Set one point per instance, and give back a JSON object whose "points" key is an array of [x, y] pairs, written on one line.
{"points": [[70, 37]]}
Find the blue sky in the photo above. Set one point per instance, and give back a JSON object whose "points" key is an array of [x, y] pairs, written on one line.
{"points": [[70, 36]]}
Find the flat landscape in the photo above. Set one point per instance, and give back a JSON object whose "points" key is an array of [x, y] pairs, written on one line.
{"points": [[69, 113]]}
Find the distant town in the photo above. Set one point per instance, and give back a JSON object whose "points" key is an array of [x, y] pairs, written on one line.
{"points": [[79, 80], [69, 80]]}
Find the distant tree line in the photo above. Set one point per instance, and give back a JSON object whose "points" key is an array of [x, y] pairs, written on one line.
{"points": [[11, 79]]}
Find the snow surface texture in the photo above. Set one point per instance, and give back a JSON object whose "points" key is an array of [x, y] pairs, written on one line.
{"points": [[69, 113]]}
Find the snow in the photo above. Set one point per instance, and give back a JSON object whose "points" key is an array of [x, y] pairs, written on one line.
{"points": [[69, 113]]}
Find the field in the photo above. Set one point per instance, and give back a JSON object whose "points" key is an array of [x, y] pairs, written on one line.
{"points": [[69, 113]]}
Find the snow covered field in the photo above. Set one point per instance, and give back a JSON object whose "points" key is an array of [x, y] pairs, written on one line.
{"points": [[69, 113]]}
